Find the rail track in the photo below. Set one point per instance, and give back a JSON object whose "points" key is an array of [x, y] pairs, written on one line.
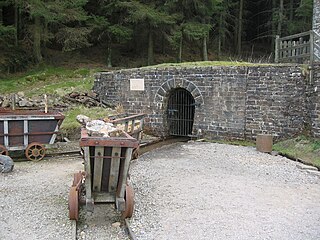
{"points": [[144, 148]]}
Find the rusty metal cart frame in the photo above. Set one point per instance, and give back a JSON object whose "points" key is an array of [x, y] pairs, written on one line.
{"points": [[28, 130], [106, 163]]}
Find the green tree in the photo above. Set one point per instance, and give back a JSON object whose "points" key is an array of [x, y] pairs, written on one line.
{"points": [[196, 22], [109, 25], [56, 14], [153, 20]]}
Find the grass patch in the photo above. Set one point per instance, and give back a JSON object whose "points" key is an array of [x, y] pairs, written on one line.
{"points": [[49, 80], [303, 147], [208, 64], [70, 124]]}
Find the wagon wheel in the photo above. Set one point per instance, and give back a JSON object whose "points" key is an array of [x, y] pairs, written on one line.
{"points": [[77, 177], [35, 152], [128, 212], [73, 204], [136, 153], [3, 150]]}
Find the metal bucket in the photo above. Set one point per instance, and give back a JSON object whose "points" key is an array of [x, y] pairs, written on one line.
{"points": [[264, 143]]}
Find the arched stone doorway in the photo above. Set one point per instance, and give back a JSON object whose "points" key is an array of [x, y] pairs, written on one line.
{"points": [[180, 112]]}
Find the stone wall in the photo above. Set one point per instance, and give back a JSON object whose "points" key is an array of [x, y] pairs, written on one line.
{"points": [[313, 99], [231, 102]]}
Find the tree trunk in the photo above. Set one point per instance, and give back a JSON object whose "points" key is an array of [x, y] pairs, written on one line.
{"points": [[180, 49], [204, 49], [109, 53], [220, 35], [239, 37], [150, 48], [16, 21], [273, 25], [291, 11], [37, 39], [1, 15], [279, 27]]}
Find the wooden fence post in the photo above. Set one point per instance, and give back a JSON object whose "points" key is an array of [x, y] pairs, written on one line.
{"points": [[277, 48], [311, 48]]}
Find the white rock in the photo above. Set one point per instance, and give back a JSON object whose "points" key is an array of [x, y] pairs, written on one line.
{"points": [[116, 224]]}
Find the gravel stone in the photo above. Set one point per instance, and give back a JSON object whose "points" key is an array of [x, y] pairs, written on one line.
{"points": [[201, 191]]}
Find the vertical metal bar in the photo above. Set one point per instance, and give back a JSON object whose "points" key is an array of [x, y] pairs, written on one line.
{"points": [[6, 131], [188, 113], [25, 133], [176, 108], [180, 113], [184, 105], [124, 173]]}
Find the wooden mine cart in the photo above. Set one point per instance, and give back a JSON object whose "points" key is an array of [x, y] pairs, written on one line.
{"points": [[28, 130], [106, 163]]}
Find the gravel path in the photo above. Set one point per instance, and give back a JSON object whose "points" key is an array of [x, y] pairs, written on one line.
{"points": [[215, 191], [34, 199], [34, 204]]}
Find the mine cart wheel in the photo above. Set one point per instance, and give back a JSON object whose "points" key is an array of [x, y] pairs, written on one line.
{"points": [[73, 204], [3, 150], [129, 195], [35, 152], [77, 177], [136, 153]]}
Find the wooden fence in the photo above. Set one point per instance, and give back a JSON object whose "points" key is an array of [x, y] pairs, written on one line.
{"points": [[299, 48]]}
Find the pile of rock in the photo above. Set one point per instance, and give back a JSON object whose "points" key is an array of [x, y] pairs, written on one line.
{"points": [[19, 100], [98, 128], [88, 99]]}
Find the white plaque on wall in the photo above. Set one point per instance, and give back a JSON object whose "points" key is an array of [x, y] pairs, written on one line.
{"points": [[137, 84]]}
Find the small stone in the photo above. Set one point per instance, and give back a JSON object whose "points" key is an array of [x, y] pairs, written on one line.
{"points": [[116, 224], [5, 103], [306, 167], [20, 94]]}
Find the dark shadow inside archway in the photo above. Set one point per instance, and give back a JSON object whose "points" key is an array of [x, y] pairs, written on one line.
{"points": [[180, 112]]}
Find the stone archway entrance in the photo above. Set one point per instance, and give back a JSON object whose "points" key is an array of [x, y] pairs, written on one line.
{"points": [[180, 112]]}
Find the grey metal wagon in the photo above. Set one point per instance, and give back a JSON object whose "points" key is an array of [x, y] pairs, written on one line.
{"points": [[28, 130]]}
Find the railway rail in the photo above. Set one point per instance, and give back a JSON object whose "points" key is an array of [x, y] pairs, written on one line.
{"points": [[144, 147]]}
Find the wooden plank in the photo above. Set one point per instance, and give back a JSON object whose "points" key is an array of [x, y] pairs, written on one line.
{"points": [[298, 56], [304, 34], [87, 167], [98, 165], [312, 36], [292, 47], [103, 197], [114, 169]]}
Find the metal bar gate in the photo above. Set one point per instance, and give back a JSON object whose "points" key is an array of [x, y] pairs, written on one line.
{"points": [[181, 107]]}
